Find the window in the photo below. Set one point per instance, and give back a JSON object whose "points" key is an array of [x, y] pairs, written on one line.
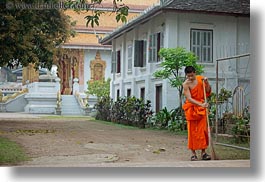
{"points": [[129, 49], [113, 62], [129, 92], [156, 42], [140, 53], [158, 98], [202, 45], [118, 94], [142, 93], [116, 62]]}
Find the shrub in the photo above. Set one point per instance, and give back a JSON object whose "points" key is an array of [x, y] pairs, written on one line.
{"points": [[172, 120], [128, 110], [103, 107]]}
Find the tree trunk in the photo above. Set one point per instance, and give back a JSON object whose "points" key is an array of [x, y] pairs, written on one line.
{"points": [[180, 107]]}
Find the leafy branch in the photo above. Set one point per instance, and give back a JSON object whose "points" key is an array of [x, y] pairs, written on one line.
{"points": [[121, 10], [174, 60]]}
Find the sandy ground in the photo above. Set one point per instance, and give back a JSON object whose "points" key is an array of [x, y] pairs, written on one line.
{"points": [[82, 142]]}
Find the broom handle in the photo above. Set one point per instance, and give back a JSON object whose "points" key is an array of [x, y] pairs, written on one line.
{"points": [[205, 100], [208, 124]]}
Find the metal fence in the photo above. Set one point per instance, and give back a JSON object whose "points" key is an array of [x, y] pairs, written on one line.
{"points": [[232, 74]]}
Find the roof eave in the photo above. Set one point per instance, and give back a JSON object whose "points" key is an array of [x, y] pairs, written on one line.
{"points": [[126, 28], [208, 12]]}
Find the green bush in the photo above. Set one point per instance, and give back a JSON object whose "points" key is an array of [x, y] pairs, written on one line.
{"points": [[172, 120], [103, 107], [238, 126], [128, 111]]}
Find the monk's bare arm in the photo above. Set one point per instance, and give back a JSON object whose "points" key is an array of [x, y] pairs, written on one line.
{"points": [[208, 88], [188, 95]]}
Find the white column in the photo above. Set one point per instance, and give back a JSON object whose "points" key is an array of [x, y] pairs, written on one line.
{"points": [[75, 86], [57, 85]]}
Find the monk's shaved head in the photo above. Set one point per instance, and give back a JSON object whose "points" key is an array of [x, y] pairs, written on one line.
{"points": [[189, 69]]}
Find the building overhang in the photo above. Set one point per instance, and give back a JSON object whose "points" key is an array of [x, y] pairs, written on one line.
{"points": [[187, 6], [86, 47]]}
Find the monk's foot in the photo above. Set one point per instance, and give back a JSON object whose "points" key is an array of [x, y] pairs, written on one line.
{"points": [[205, 156], [194, 158]]}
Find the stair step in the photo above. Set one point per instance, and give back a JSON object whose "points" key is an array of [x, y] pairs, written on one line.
{"points": [[70, 105]]}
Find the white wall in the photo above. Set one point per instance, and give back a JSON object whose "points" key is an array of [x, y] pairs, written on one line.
{"points": [[228, 32], [89, 56]]}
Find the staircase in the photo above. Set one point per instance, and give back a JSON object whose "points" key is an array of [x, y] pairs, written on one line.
{"points": [[70, 105]]}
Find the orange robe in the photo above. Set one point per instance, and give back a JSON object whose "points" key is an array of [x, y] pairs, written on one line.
{"points": [[196, 118]]}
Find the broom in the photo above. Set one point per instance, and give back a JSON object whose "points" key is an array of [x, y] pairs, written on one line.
{"points": [[213, 154]]}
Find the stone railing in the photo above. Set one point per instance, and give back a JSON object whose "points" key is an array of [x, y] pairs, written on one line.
{"points": [[83, 102], [58, 108], [4, 99], [7, 102], [11, 90]]}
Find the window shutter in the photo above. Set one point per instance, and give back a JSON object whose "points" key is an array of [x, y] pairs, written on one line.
{"points": [[201, 44], [150, 49], [138, 53], [153, 48], [144, 52], [118, 58], [160, 44], [154, 56], [113, 62], [206, 46], [129, 57], [161, 40]]}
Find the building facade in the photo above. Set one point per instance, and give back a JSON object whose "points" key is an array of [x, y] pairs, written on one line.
{"points": [[212, 30], [83, 57]]}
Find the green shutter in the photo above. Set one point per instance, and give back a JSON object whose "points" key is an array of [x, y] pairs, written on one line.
{"points": [[161, 40], [138, 53], [150, 49], [113, 62], [144, 52]]}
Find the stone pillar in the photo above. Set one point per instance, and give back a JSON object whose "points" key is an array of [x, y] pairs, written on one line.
{"points": [[75, 86], [57, 80]]}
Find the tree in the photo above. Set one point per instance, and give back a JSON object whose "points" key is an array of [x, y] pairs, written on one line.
{"points": [[99, 88], [119, 8], [29, 35], [174, 60]]}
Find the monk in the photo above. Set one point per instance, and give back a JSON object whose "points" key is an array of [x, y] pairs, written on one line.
{"points": [[195, 112]]}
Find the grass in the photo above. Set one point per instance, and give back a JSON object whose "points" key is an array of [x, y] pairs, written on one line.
{"points": [[66, 117], [228, 153], [233, 141], [11, 153], [113, 124]]}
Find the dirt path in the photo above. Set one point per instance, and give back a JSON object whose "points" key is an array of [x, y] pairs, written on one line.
{"points": [[82, 142], [65, 142]]}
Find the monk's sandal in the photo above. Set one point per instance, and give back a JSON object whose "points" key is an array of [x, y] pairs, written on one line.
{"points": [[194, 158], [205, 156]]}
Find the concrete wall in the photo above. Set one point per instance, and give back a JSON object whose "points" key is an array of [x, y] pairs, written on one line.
{"points": [[88, 57], [228, 33]]}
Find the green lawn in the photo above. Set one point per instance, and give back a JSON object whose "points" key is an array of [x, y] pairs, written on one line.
{"points": [[231, 153], [10, 153], [228, 153]]}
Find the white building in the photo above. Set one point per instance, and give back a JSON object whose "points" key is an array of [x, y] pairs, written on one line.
{"points": [[210, 28]]}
